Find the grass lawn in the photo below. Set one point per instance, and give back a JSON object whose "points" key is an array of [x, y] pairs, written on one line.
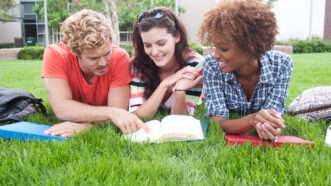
{"points": [[103, 157]]}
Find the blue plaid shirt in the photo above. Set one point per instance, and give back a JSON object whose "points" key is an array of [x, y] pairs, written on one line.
{"points": [[223, 92]]}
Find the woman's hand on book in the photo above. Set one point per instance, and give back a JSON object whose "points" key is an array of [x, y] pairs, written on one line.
{"points": [[67, 128]]}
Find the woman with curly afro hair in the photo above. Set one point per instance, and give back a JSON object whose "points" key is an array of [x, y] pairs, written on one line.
{"points": [[243, 75]]}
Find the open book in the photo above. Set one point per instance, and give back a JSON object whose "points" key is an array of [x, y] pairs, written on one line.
{"points": [[171, 128], [235, 139]]}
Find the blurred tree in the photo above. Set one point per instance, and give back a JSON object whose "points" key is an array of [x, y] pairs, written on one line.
{"points": [[112, 14], [130, 9], [270, 2], [58, 10], [4, 6], [127, 10], [122, 13]]}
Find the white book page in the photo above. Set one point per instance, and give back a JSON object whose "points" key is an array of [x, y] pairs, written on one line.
{"points": [[180, 127], [143, 136], [328, 136]]}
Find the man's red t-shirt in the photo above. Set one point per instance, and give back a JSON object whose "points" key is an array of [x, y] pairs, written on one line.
{"points": [[60, 62]]}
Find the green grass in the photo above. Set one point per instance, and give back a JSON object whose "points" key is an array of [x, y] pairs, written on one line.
{"points": [[103, 157]]}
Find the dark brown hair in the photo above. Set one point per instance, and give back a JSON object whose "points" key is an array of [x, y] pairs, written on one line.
{"points": [[249, 24], [142, 64]]}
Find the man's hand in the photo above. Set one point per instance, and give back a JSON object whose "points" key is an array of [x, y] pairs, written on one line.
{"points": [[126, 121], [66, 129]]}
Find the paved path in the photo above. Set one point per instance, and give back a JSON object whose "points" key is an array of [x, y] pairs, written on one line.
{"points": [[9, 53]]}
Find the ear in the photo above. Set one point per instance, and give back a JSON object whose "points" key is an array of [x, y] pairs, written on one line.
{"points": [[177, 37]]}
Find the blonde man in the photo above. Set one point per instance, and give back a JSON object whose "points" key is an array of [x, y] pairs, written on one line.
{"points": [[87, 78]]}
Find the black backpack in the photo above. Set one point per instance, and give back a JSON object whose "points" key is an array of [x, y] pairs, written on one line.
{"points": [[16, 104]]}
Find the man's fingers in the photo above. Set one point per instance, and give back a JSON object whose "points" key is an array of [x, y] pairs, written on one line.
{"points": [[68, 134], [142, 125], [123, 129], [129, 127], [54, 128], [58, 132], [51, 129], [134, 127], [67, 129]]}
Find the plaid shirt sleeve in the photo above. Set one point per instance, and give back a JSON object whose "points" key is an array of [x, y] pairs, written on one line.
{"points": [[213, 88], [276, 98]]}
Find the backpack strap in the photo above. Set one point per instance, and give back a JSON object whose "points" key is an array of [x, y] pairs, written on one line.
{"points": [[37, 102]]}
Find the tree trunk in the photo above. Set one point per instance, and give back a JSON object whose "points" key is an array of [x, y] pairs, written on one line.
{"points": [[111, 13]]}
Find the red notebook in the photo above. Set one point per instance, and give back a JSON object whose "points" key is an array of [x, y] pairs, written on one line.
{"points": [[234, 139]]}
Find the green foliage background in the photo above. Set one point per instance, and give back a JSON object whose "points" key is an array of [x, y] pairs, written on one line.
{"points": [[4, 6], [128, 10]]}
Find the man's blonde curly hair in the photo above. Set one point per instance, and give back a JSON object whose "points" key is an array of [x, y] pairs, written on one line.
{"points": [[86, 29]]}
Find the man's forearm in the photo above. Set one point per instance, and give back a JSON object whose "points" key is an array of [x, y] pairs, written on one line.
{"points": [[70, 110]]}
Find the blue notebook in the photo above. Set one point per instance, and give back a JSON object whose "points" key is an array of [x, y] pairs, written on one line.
{"points": [[26, 131]]}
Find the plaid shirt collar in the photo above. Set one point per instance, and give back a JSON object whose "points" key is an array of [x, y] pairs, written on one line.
{"points": [[265, 75]]}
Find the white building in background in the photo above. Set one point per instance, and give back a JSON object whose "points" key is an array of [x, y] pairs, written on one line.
{"points": [[11, 30], [193, 15], [26, 27], [300, 19], [297, 19]]}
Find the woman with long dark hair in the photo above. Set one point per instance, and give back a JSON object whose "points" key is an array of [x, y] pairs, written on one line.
{"points": [[163, 66]]}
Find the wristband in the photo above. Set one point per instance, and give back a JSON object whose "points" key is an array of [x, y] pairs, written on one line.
{"points": [[176, 90]]}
